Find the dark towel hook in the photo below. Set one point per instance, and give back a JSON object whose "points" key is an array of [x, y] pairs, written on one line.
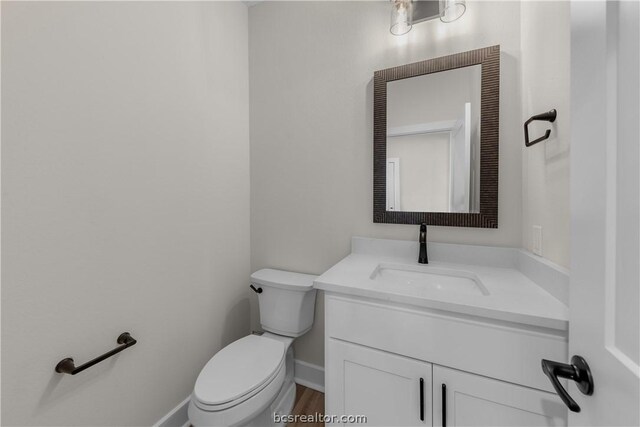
{"points": [[549, 116]]}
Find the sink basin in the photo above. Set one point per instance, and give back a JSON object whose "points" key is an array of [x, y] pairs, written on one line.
{"points": [[429, 278]]}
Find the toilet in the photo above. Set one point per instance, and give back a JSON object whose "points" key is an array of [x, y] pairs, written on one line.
{"points": [[251, 379]]}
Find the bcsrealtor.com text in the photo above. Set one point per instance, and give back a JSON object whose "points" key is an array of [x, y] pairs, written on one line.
{"points": [[320, 418]]}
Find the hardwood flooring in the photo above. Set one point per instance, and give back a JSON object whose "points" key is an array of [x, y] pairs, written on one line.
{"points": [[308, 402]]}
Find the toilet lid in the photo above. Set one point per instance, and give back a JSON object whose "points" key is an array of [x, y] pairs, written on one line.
{"points": [[283, 279], [238, 369]]}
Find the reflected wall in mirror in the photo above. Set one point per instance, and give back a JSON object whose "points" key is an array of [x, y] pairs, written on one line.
{"points": [[436, 141]]}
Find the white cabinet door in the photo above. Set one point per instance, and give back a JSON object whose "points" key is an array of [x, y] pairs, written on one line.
{"points": [[474, 400], [387, 389]]}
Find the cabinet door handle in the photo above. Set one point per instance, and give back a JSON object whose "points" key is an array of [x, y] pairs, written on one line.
{"points": [[421, 399], [444, 405]]}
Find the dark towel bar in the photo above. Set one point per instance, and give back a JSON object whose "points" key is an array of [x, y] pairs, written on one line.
{"points": [[549, 116], [66, 366]]}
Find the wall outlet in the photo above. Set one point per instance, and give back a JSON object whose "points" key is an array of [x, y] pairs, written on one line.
{"points": [[536, 246]]}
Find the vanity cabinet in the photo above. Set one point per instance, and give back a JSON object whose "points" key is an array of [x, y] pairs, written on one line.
{"points": [[388, 389], [463, 399], [381, 358]]}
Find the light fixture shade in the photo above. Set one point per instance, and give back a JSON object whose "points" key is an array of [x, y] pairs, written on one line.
{"points": [[450, 10], [401, 17]]}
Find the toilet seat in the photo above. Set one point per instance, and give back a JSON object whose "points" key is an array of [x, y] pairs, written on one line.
{"points": [[240, 371]]}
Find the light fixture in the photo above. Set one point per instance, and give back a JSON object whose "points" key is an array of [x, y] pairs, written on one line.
{"points": [[404, 13], [450, 10], [401, 17]]}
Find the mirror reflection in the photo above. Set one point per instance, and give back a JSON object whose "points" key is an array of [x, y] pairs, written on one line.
{"points": [[433, 142]]}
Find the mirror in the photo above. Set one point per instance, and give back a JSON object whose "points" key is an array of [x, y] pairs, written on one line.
{"points": [[436, 141], [433, 142]]}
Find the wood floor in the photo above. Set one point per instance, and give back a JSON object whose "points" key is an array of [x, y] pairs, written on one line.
{"points": [[308, 402]]}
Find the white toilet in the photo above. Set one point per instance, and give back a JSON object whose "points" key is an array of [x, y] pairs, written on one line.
{"points": [[251, 379]]}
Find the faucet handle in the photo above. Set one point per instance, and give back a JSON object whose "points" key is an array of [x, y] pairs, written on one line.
{"points": [[422, 258]]}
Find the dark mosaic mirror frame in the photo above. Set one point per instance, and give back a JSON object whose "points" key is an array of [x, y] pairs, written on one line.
{"points": [[489, 59]]}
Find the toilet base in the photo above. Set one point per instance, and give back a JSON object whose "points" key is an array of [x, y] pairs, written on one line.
{"points": [[283, 405]]}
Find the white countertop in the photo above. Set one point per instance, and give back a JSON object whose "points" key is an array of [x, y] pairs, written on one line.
{"points": [[512, 297]]}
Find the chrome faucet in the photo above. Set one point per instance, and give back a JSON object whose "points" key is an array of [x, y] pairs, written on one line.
{"points": [[422, 258]]}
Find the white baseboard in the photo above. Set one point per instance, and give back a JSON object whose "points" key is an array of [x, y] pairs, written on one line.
{"points": [[177, 417], [306, 374], [309, 375]]}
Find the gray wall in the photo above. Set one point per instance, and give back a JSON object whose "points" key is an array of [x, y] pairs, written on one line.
{"points": [[311, 69], [545, 166], [125, 196], [424, 161]]}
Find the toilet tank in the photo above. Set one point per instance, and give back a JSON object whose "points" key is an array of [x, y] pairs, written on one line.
{"points": [[287, 301]]}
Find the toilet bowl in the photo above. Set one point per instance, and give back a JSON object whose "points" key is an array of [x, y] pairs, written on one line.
{"points": [[243, 380], [251, 379]]}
